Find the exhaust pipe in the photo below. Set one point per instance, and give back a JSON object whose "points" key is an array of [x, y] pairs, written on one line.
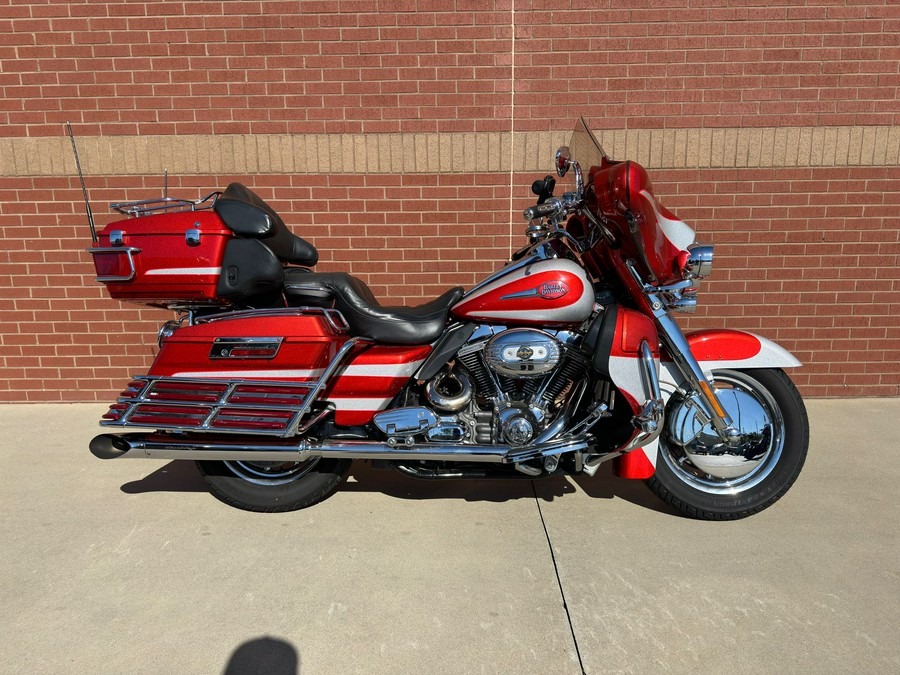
{"points": [[149, 446]]}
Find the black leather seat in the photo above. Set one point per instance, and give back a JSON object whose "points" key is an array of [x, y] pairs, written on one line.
{"points": [[247, 215], [353, 298]]}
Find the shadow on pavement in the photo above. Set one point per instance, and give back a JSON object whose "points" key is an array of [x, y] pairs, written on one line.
{"points": [[182, 476], [363, 478], [177, 476], [605, 485], [264, 656]]}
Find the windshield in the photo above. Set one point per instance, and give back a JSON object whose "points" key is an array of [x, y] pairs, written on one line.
{"points": [[584, 146]]}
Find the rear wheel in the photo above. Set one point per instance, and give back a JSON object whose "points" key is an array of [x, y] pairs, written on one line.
{"points": [[273, 486], [705, 478]]}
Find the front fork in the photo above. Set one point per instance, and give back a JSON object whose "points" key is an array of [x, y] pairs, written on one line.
{"points": [[676, 344]]}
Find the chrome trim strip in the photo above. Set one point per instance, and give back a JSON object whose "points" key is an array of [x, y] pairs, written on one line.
{"points": [[256, 373], [223, 347], [184, 271]]}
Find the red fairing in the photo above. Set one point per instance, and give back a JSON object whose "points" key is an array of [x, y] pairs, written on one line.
{"points": [[167, 267], [625, 368], [650, 233], [372, 378], [633, 328], [634, 465]]}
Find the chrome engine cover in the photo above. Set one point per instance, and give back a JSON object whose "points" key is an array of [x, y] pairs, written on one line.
{"points": [[522, 352], [406, 421]]}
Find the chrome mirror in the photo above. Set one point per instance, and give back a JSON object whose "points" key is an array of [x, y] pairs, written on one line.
{"points": [[563, 158]]}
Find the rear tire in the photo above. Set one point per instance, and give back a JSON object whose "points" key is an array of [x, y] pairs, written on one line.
{"points": [[273, 486], [697, 486]]}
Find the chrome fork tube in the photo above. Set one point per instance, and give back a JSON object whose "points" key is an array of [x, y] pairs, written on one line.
{"points": [[676, 344]]}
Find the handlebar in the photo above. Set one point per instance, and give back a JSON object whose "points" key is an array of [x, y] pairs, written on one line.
{"points": [[548, 208], [555, 207]]}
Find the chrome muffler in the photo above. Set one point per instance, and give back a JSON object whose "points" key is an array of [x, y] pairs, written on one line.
{"points": [[156, 446]]}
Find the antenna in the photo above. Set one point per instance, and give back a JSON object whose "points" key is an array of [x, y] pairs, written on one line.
{"points": [[87, 204], [165, 184]]}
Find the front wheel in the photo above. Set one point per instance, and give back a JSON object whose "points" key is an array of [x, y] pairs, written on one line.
{"points": [[273, 486], [703, 477]]}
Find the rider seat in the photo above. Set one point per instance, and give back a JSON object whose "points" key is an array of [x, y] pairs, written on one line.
{"points": [[365, 316]]}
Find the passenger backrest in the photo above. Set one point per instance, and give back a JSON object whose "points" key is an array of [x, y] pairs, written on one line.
{"points": [[247, 215], [250, 270]]}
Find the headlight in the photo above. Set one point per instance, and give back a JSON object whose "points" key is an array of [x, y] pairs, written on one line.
{"points": [[699, 262]]}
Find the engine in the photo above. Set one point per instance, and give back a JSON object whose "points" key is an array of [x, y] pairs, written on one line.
{"points": [[518, 379], [505, 386]]}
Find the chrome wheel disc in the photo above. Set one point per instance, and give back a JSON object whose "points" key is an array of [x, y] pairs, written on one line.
{"points": [[698, 457], [271, 473]]}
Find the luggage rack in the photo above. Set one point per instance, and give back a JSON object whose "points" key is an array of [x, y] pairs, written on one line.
{"points": [[147, 207], [263, 407]]}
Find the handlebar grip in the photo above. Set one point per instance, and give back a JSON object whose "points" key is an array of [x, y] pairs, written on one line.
{"points": [[541, 210]]}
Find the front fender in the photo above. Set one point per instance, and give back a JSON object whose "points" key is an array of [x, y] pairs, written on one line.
{"points": [[727, 348], [713, 349]]}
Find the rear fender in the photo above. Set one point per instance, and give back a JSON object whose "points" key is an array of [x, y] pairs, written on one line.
{"points": [[713, 349]]}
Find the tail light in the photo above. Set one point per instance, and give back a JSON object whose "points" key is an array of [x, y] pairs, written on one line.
{"points": [[114, 264]]}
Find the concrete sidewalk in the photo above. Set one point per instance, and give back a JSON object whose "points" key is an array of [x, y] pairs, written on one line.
{"points": [[130, 566]]}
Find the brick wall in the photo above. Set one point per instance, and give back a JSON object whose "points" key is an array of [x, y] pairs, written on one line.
{"points": [[400, 137]]}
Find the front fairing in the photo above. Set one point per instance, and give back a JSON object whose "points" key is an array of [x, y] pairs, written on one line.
{"points": [[621, 194], [649, 233]]}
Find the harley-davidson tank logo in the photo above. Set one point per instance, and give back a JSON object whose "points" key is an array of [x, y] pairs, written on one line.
{"points": [[551, 290]]}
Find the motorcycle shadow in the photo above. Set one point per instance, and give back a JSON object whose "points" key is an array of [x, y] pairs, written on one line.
{"points": [[603, 485], [182, 476], [176, 476], [363, 478]]}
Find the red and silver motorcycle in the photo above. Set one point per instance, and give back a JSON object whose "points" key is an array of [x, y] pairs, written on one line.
{"points": [[275, 377]]}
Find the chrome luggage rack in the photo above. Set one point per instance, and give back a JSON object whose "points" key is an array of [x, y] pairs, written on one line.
{"points": [[147, 207], [333, 317], [262, 407]]}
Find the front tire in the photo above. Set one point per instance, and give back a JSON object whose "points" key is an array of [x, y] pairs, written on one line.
{"points": [[273, 486], [710, 482]]}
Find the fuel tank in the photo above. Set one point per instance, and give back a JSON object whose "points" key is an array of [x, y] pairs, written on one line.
{"points": [[555, 292]]}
